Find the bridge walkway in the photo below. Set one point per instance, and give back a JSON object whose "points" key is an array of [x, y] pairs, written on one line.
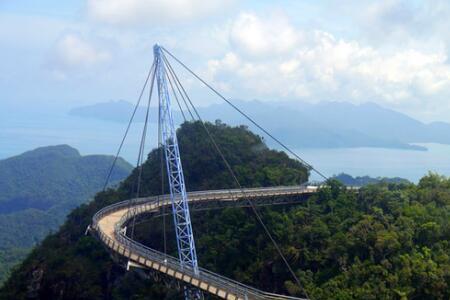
{"points": [[110, 226]]}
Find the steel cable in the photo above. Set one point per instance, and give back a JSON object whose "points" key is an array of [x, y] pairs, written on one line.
{"points": [[252, 205], [142, 149], [247, 116], [128, 128]]}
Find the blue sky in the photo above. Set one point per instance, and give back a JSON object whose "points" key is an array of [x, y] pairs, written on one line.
{"points": [[392, 52]]}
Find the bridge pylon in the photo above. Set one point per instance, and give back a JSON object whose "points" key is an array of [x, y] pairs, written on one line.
{"points": [[179, 199]]}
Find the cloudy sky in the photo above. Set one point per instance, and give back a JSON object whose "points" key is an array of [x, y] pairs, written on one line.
{"points": [[391, 52]]}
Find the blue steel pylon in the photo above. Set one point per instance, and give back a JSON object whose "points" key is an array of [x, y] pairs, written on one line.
{"points": [[178, 196]]}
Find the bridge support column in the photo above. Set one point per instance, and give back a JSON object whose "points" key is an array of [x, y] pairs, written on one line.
{"points": [[180, 208]]}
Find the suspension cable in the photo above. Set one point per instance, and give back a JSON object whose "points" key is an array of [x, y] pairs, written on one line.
{"points": [[176, 98], [128, 128], [182, 91], [177, 82], [309, 166], [236, 180], [142, 149], [179, 86]]}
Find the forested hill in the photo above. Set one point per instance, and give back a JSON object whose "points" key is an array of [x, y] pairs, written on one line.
{"points": [[389, 241], [38, 189], [53, 175], [71, 264]]}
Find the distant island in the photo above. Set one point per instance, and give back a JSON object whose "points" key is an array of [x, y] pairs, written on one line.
{"points": [[322, 125], [360, 181]]}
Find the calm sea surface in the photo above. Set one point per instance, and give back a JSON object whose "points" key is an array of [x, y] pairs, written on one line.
{"points": [[19, 133], [376, 162], [22, 133]]}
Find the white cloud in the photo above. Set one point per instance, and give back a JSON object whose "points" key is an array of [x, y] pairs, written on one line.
{"points": [[256, 37], [272, 58], [72, 51], [420, 24], [152, 11], [394, 52]]}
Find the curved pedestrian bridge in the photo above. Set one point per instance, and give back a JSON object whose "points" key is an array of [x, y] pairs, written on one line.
{"points": [[110, 225]]}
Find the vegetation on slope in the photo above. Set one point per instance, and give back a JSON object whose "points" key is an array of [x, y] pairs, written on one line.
{"points": [[76, 266], [389, 241], [38, 189]]}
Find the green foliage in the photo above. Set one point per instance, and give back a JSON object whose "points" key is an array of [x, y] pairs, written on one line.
{"points": [[10, 257], [38, 188], [53, 267], [69, 178], [254, 164], [386, 242]]}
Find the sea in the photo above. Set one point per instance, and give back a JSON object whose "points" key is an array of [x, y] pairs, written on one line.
{"points": [[23, 131], [380, 162]]}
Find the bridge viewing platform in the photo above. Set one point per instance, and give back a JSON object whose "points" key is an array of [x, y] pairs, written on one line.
{"points": [[110, 226]]}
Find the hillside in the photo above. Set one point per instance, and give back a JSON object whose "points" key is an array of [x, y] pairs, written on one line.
{"points": [[39, 188], [79, 265], [387, 242]]}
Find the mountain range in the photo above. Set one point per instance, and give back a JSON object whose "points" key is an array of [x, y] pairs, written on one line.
{"points": [[322, 125]]}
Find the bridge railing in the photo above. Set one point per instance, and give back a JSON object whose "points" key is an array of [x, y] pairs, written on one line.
{"points": [[140, 205], [234, 193], [161, 258], [219, 281]]}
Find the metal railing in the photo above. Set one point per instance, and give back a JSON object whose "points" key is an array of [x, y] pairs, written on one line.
{"points": [[128, 247]]}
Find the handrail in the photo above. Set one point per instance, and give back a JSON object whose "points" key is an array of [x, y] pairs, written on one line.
{"points": [[203, 274], [148, 204]]}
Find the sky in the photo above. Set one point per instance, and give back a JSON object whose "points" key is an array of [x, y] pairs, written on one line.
{"points": [[70, 53]]}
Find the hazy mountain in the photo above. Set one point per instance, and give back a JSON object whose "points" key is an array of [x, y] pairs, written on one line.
{"points": [[380, 122], [117, 111], [365, 180], [39, 187], [323, 125]]}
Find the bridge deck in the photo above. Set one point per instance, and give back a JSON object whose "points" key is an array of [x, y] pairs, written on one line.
{"points": [[109, 224]]}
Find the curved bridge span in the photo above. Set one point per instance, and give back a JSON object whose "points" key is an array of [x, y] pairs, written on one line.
{"points": [[110, 225]]}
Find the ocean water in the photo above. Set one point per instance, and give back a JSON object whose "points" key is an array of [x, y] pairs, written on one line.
{"points": [[376, 162], [20, 132], [25, 132]]}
